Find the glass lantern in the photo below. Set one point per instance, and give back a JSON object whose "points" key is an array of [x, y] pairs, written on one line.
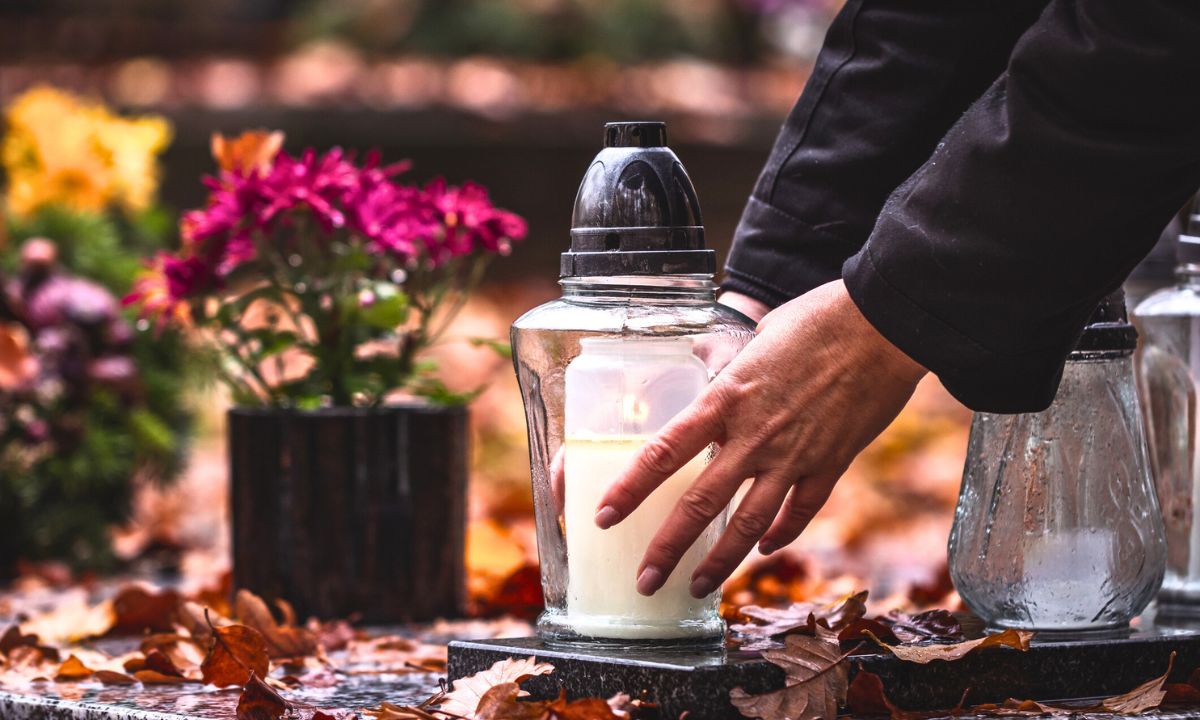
{"points": [[1168, 366], [634, 339], [1058, 527]]}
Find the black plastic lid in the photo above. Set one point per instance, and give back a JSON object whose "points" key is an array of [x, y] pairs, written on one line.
{"points": [[1109, 329], [636, 212]]}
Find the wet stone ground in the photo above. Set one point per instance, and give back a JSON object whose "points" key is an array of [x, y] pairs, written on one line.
{"points": [[92, 700]]}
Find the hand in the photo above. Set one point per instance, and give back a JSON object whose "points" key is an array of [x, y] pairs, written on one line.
{"points": [[791, 411]]}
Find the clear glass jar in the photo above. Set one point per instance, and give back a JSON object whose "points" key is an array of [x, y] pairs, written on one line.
{"points": [[1168, 364], [1057, 527], [601, 370]]}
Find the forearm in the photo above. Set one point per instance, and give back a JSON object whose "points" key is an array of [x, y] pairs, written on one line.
{"points": [[985, 264], [891, 78]]}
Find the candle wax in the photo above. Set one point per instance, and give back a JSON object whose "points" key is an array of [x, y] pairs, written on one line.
{"points": [[602, 598]]}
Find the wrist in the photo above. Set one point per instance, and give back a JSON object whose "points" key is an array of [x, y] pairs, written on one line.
{"points": [[892, 359], [746, 305]]}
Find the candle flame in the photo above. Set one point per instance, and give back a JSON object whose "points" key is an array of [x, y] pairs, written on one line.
{"points": [[634, 410]]}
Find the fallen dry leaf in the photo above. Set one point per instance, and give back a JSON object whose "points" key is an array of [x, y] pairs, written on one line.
{"points": [[13, 638], [1182, 693], [502, 703], [334, 635], [1149, 694], [259, 701], [815, 684], [929, 625], [72, 619], [922, 654], [866, 696], [154, 677], [137, 610], [111, 677], [859, 629], [1023, 708], [803, 616], [237, 653], [625, 706], [283, 640], [73, 669], [466, 693], [388, 711]]}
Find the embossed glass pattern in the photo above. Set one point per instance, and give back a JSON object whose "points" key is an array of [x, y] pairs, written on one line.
{"points": [[1057, 526]]}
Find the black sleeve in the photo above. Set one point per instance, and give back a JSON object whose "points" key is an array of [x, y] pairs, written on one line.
{"points": [[985, 264], [892, 77]]}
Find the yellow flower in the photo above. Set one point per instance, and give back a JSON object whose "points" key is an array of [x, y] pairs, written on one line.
{"points": [[252, 151], [61, 148]]}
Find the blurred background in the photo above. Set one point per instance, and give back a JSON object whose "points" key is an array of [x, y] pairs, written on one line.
{"points": [[511, 94]]}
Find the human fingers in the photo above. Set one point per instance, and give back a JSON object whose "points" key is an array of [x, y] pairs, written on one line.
{"points": [[706, 498], [751, 519], [682, 439], [803, 501]]}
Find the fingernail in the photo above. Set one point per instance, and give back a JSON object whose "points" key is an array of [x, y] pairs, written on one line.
{"points": [[766, 548], [607, 516], [702, 586], [649, 580]]}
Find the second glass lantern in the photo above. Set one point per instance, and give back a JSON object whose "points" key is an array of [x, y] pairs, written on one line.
{"points": [[1057, 527], [635, 337]]}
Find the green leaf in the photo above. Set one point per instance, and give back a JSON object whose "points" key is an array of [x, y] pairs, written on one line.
{"points": [[389, 310], [273, 342], [151, 434], [499, 347]]}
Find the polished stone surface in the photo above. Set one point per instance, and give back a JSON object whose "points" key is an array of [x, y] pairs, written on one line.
{"points": [[699, 682]]}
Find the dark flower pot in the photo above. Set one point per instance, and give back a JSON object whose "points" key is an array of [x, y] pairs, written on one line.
{"points": [[351, 511]]}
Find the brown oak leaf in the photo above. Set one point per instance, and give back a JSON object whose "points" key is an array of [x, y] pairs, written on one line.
{"points": [[283, 640], [922, 654], [929, 625], [866, 696], [259, 701], [815, 684], [466, 693], [237, 653], [73, 669]]}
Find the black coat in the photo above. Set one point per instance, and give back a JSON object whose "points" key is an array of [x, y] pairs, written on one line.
{"points": [[980, 173]]}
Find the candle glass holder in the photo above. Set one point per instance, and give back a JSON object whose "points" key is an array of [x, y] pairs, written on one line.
{"points": [[634, 339], [601, 370], [1168, 364], [1058, 527]]}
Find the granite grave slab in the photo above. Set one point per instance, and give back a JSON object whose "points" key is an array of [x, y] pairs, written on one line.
{"points": [[698, 682]]}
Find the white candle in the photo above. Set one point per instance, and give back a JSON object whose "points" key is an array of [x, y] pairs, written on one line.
{"points": [[619, 392], [1060, 571], [602, 599]]}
